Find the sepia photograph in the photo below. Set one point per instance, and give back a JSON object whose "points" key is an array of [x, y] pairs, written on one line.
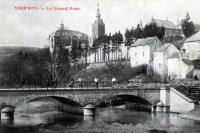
{"points": [[99, 66]]}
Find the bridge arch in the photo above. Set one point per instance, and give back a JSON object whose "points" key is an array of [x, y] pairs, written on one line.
{"points": [[81, 96], [121, 99], [44, 104]]}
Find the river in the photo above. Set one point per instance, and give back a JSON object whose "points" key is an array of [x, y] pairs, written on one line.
{"points": [[107, 120]]}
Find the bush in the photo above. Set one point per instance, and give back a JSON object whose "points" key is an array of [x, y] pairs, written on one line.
{"points": [[121, 71]]}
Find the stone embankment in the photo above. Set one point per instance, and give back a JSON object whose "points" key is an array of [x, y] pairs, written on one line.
{"points": [[193, 115]]}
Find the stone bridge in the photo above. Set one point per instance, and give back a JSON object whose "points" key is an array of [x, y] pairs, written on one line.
{"points": [[168, 97], [82, 96]]}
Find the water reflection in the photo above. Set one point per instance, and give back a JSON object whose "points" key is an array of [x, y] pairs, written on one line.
{"points": [[47, 118], [106, 120], [6, 122]]}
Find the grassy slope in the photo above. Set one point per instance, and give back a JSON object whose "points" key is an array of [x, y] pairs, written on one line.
{"points": [[6, 51]]}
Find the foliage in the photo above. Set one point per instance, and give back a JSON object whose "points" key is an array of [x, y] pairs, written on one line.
{"points": [[105, 41], [128, 37], [117, 38], [78, 49], [62, 64], [172, 39], [26, 68], [152, 30], [121, 71], [74, 54], [133, 34], [187, 26]]}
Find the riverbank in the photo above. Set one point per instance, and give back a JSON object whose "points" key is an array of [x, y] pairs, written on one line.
{"points": [[193, 115]]}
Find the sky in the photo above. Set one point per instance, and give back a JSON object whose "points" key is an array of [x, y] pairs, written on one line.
{"points": [[31, 28]]}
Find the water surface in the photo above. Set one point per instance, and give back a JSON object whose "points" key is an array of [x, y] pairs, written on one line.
{"points": [[107, 120]]}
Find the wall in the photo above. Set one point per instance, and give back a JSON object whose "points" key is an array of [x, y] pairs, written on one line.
{"points": [[173, 67], [90, 58], [192, 50], [185, 69], [139, 55], [172, 32], [196, 72], [178, 69], [160, 60], [159, 64], [179, 102]]}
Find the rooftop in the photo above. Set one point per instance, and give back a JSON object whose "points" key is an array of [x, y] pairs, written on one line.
{"points": [[174, 55], [186, 61], [144, 41], [164, 47], [193, 38], [165, 23]]}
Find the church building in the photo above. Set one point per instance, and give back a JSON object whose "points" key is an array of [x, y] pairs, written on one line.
{"points": [[98, 27]]}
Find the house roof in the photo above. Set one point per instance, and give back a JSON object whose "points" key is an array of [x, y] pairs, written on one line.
{"points": [[163, 47], [197, 27], [178, 44], [165, 23], [173, 56], [194, 38], [186, 61], [176, 55], [144, 41]]}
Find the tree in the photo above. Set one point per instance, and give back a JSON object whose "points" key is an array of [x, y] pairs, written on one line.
{"points": [[137, 33], [62, 64], [128, 37], [26, 68], [119, 38], [152, 30], [133, 34], [74, 52], [187, 26]]}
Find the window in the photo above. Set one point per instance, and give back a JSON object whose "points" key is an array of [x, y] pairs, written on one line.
{"points": [[159, 65], [188, 55], [198, 54], [135, 54], [143, 53]]}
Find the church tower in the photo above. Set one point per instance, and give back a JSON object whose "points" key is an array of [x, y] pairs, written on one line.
{"points": [[98, 27]]}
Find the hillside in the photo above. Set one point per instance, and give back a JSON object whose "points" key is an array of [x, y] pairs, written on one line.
{"points": [[6, 51]]}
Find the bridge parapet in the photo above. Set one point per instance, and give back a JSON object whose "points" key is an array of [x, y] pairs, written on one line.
{"points": [[82, 96]]}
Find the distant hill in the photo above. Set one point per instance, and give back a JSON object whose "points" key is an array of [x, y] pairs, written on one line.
{"points": [[6, 51]]}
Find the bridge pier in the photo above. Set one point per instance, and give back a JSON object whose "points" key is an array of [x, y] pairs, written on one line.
{"points": [[164, 104], [89, 110], [7, 113], [153, 108]]}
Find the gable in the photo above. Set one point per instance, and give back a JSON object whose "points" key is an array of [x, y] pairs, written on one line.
{"points": [[145, 41], [193, 38]]}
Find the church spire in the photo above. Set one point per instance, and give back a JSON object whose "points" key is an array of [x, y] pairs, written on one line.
{"points": [[62, 26], [98, 13]]}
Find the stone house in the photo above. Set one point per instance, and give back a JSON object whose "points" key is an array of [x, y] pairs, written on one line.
{"points": [[142, 50], [179, 67], [160, 59], [191, 47]]}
